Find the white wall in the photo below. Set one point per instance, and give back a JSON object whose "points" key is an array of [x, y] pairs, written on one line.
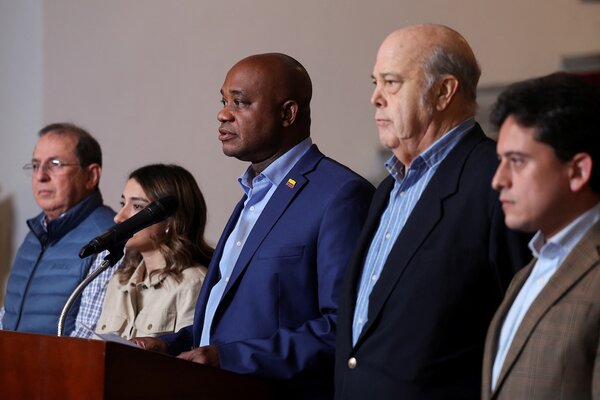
{"points": [[20, 117], [144, 76]]}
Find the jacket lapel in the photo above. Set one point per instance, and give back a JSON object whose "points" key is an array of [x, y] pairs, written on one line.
{"points": [[349, 290], [491, 345], [423, 219], [213, 273], [580, 260], [273, 211], [278, 203], [378, 205]]}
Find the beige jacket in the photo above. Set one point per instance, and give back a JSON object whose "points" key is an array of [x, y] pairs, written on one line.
{"points": [[150, 306]]}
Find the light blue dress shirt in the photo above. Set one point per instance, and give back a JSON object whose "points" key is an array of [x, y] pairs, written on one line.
{"points": [[259, 190], [404, 196], [550, 254]]}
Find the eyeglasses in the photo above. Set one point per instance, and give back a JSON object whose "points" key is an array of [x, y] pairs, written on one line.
{"points": [[53, 166]]}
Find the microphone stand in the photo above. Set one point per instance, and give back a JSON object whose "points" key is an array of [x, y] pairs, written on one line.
{"points": [[114, 254]]}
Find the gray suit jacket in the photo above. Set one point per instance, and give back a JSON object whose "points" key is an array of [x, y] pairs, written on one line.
{"points": [[555, 353]]}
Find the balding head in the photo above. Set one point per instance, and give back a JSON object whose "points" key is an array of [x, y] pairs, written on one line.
{"points": [[266, 99], [439, 50], [425, 84], [284, 77]]}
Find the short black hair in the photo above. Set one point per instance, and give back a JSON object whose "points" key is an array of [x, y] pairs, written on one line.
{"points": [[563, 109]]}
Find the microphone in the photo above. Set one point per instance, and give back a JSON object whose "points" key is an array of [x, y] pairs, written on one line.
{"points": [[154, 212]]}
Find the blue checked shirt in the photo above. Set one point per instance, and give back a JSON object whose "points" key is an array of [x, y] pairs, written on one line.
{"points": [[92, 299], [407, 190]]}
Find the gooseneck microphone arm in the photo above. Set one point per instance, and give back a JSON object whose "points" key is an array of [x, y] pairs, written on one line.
{"points": [[111, 259]]}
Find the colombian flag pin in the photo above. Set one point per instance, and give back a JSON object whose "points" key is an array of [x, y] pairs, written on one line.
{"points": [[290, 183]]}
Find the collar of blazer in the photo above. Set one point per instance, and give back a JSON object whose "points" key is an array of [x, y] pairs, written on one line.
{"points": [[578, 262], [283, 196], [425, 215]]}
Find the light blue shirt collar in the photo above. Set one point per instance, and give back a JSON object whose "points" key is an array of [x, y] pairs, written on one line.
{"points": [[569, 236], [278, 169], [434, 154], [549, 257]]}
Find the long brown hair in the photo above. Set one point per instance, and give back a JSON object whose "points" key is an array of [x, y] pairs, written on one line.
{"points": [[183, 244]]}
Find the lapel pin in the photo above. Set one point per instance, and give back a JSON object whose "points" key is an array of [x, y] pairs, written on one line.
{"points": [[290, 183]]}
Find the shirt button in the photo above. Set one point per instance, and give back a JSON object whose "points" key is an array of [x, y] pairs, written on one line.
{"points": [[149, 326], [238, 244], [252, 208], [374, 278], [227, 279], [401, 194], [388, 235], [352, 363]]}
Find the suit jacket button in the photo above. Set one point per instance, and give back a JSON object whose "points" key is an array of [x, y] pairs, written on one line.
{"points": [[352, 363]]}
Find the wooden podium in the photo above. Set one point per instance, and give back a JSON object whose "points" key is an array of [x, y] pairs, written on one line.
{"points": [[48, 367]]}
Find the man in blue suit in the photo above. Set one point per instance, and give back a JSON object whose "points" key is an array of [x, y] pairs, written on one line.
{"points": [[269, 301]]}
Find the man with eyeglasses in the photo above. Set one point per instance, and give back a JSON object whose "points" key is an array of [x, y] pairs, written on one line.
{"points": [[65, 171]]}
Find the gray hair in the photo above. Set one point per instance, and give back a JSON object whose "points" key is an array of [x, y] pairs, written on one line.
{"points": [[445, 61]]}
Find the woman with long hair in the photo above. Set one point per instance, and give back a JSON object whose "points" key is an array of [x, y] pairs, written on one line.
{"points": [[155, 290]]}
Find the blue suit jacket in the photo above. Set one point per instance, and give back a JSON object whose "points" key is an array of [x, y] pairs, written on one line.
{"points": [[444, 278], [277, 316]]}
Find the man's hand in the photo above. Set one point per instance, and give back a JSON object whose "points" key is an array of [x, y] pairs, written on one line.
{"points": [[152, 344], [207, 355]]}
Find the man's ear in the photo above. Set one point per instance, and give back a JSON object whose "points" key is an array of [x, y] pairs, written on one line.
{"points": [[289, 111], [580, 173], [93, 171], [446, 89]]}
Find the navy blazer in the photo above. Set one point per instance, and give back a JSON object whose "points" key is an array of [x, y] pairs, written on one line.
{"points": [[444, 278], [277, 316]]}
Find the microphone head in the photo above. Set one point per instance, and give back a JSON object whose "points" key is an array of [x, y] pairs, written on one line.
{"points": [[118, 234]]}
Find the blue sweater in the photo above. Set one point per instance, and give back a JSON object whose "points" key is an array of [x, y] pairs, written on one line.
{"points": [[47, 267]]}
